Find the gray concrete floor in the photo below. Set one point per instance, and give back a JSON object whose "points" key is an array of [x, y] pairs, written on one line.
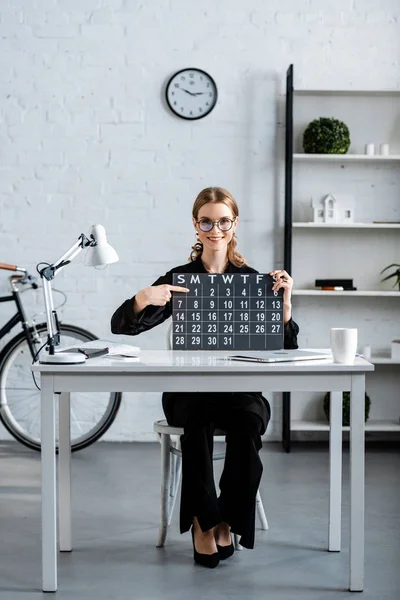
{"points": [[115, 521]]}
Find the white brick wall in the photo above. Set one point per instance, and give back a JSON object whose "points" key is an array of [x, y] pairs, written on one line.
{"points": [[86, 137]]}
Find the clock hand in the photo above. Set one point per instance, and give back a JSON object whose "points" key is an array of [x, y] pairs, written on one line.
{"points": [[187, 91], [198, 93]]}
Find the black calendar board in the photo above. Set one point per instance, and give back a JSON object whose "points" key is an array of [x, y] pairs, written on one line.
{"points": [[227, 311]]}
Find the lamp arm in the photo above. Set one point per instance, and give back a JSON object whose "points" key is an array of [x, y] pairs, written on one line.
{"points": [[49, 271], [47, 274]]}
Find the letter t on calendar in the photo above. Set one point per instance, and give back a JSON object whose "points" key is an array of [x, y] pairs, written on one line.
{"points": [[227, 311]]}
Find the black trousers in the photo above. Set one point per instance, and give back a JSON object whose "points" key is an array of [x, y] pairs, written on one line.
{"points": [[244, 418]]}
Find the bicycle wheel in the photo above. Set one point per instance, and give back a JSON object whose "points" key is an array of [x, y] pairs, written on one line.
{"points": [[91, 413]]}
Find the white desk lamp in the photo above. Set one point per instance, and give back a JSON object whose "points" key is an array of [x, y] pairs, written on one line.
{"points": [[100, 253]]}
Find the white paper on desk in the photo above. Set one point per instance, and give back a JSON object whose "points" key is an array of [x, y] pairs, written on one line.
{"points": [[114, 349]]}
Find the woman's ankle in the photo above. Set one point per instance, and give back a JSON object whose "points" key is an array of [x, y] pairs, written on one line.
{"points": [[222, 533]]}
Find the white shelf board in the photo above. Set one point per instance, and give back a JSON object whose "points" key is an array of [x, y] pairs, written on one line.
{"points": [[305, 292], [348, 92], [383, 360], [303, 157], [312, 225], [370, 425]]}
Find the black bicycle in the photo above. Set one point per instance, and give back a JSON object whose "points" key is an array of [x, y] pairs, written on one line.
{"points": [[91, 414]]}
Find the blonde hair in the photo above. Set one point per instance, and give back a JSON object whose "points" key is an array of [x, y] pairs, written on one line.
{"points": [[214, 195]]}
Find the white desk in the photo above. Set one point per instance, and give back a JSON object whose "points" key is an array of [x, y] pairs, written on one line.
{"points": [[171, 371]]}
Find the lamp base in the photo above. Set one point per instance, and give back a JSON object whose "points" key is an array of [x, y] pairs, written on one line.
{"points": [[63, 358]]}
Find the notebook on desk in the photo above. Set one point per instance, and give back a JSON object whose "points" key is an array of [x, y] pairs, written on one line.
{"points": [[273, 356]]}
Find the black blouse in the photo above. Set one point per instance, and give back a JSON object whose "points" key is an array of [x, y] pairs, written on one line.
{"points": [[125, 321]]}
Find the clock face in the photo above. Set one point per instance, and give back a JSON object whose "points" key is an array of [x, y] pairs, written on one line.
{"points": [[191, 94]]}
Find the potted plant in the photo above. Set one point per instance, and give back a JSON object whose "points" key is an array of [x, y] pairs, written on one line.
{"points": [[326, 136], [346, 407], [395, 273]]}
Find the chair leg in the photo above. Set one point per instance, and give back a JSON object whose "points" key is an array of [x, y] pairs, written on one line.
{"points": [[165, 477], [261, 513], [175, 479], [236, 542]]}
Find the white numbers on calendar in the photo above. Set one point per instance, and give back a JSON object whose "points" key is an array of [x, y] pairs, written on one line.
{"points": [[227, 311]]}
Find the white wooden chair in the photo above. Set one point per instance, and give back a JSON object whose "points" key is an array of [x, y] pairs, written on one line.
{"points": [[171, 471]]}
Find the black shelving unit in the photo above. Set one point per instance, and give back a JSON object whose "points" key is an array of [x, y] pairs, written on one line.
{"points": [[286, 440]]}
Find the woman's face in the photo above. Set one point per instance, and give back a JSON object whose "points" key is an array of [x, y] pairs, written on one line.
{"points": [[215, 239]]}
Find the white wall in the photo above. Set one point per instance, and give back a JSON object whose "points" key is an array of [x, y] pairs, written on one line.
{"points": [[86, 137]]}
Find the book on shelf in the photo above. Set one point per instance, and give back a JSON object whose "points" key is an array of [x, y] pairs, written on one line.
{"points": [[345, 284], [335, 288]]}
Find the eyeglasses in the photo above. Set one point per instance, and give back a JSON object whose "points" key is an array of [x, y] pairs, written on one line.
{"points": [[224, 224]]}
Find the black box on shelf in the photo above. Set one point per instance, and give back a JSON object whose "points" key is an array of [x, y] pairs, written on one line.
{"points": [[344, 283]]}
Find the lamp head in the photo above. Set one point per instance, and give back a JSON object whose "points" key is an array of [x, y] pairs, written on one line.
{"points": [[100, 252]]}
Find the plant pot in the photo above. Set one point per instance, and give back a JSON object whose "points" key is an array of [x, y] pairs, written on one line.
{"points": [[346, 407]]}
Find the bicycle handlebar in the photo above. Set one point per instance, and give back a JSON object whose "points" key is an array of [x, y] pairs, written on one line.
{"points": [[24, 279], [10, 267]]}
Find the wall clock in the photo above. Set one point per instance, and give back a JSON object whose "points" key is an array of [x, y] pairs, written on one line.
{"points": [[191, 94]]}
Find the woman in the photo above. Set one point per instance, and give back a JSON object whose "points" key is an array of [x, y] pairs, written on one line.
{"points": [[243, 416]]}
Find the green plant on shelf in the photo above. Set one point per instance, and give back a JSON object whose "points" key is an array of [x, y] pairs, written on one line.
{"points": [[326, 136], [395, 273], [346, 407]]}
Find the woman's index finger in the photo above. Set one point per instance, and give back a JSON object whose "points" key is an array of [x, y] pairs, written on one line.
{"points": [[177, 288]]}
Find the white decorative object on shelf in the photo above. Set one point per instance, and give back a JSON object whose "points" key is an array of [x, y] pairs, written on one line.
{"points": [[396, 349], [370, 149], [334, 208], [384, 149]]}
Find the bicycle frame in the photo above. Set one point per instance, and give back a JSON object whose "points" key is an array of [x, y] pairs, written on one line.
{"points": [[19, 317]]}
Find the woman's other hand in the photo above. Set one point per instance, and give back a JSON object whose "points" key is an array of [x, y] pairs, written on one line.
{"points": [[155, 295], [283, 280]]}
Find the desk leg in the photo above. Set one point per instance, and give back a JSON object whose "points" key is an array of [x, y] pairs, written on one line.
{"points": [[335, 470], [64, 473], [48, 460], [357, 482]]}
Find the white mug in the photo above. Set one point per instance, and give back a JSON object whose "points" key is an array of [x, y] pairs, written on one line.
{"points": [[343, 345]]}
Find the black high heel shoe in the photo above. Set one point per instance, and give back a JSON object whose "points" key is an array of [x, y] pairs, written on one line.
{"points": [[225, 551], [205, 560]]}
